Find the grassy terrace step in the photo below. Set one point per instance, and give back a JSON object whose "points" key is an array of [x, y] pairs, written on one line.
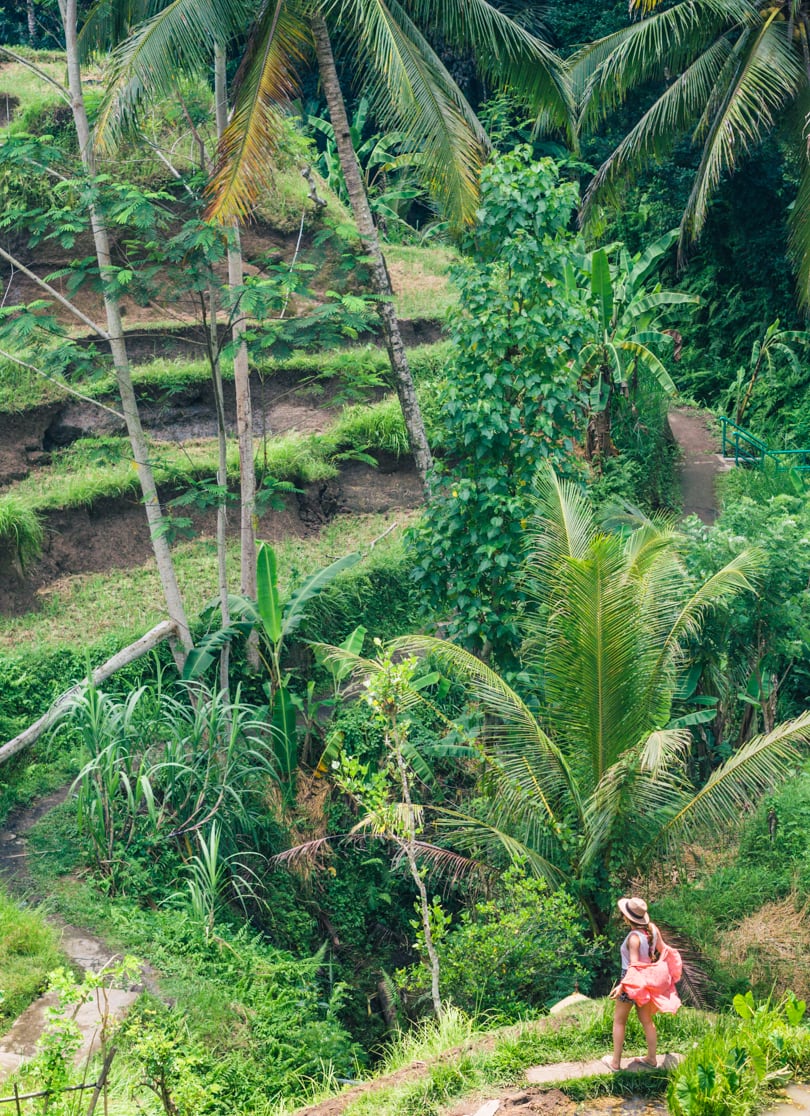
{"points": [[97, 469], [22, 389]]}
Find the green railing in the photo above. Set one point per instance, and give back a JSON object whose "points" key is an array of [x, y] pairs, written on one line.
{"points": [[751, 452]]}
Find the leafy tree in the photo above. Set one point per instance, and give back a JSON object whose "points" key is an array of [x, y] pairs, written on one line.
{"points": [[734, 72], [514, 397], [110, 281], [408, 87], [585, 772], [753, 654]]}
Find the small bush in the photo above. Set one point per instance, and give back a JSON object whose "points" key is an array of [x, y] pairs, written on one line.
{"points": [[373, 428], [735, 1064], [524, 949]]}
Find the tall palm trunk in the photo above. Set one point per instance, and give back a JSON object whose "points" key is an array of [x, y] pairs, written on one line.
{"points": [[129, 405], [369, 237], [241, 381]]}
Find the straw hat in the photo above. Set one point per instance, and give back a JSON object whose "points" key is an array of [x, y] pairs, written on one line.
{"points": [[634, 910]]}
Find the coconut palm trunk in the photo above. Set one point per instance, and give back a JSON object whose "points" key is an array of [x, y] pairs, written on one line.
{"points": [[32, 23], [140, 449], [369, 237]]}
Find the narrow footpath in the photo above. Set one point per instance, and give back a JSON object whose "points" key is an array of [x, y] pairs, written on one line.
{"points": [[85, 951], [697, 438]]}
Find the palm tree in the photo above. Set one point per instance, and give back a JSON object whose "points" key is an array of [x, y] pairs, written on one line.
{"points": [[584, 772], [735, 72], [407, 85]]}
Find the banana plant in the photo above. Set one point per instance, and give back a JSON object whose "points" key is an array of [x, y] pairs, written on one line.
{"points": [[628, 329], [275, 621], [387, 164]]}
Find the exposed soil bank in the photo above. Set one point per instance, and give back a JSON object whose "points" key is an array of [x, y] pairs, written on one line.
{"points": [[113, 534]]}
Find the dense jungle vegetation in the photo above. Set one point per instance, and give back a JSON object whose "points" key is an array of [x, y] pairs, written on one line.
{"points": [[338, 342]]}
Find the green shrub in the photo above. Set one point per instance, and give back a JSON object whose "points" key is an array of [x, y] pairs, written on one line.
{"points": [[379, 594], [373, 428], [523, 949], [252, 1023]]}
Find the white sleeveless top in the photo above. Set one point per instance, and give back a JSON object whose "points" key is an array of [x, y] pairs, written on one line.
{"points": [[643, 947]]}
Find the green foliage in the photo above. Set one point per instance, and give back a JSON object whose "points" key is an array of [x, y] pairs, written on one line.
{"points": [[252, 1022], [513, 399], [754, 652], [644, 472], [586, 766], [629, 333], [379, 593], [159, 772], [28, 953], [735, 1065], [518, 951], [367, 429]]}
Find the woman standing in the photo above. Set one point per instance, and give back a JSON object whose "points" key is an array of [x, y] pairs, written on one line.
{"points": [[649, 971]]}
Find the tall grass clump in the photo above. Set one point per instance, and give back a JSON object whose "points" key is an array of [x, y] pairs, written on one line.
{"points": [[20, 529], [28, 952], [380, 428]]}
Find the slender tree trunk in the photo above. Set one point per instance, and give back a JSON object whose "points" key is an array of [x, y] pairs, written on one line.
{"points": [[408, 847], [369, 237], [222, 483], [241, 381], [140, 449], [32, 23]]}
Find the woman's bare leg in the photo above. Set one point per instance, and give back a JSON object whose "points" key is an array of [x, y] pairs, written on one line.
{"points": [[645, 1015], [620, 1014]]}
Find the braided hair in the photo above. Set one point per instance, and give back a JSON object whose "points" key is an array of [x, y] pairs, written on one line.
{"points": [[650, 933]]}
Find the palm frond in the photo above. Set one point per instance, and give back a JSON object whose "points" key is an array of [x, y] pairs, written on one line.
{"points": [[178, 38], [266, 82], [736, 577], [452, 866], [604, 72], [412, 92], [734, 788], [508, 54], [517, 730], [652, 137], [638, 788], [799, 220], [562, 524], [763, 74], [109, 22], [467, 832], [596, 661]]}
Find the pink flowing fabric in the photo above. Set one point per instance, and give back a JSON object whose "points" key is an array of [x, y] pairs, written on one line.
{"points": [[654, 981]]}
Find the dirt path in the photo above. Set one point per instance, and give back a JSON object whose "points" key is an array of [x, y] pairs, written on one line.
{"points": [[86, 951], [699, 444]]}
